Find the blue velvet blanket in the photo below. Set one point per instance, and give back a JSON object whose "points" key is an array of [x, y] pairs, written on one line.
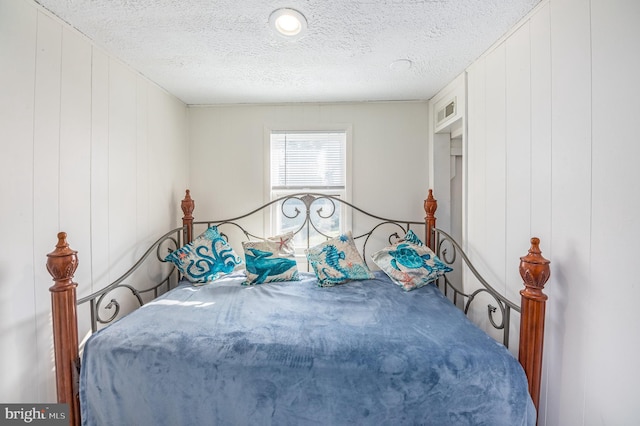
{"points": [[292, 353]]}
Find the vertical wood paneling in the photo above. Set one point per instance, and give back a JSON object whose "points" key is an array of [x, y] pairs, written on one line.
{"points": [[517, 178], [476, 171], [548, 121], [142, 161], [166, 159], [493, 250], [54, 115], [571, 218], [46, 145], [17, 74], [487, 176], [75, 146], [518, 155], [541, 109], [122, 165], [541, 183], [613, 343], [143, 234], [475, 158], [157, 197], [99, 171]]}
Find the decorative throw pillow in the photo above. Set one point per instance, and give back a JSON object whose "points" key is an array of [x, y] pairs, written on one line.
{"points": [[206, 258], [412, 238], [409, 265], [337, 260], [270, 260]]}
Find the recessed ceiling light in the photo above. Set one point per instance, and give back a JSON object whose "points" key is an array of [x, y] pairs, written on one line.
{"points": [[288, 22], [401, 64]]}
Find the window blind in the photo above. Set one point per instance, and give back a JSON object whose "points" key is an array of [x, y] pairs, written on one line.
{"points": [[308, 160]]}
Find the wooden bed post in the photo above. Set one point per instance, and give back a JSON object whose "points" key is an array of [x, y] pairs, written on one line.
{"points": [[62, 264], [535, 271], [187, 206], [430, 207]]}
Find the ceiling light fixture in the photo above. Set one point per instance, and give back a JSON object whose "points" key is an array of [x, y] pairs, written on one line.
{"points": [[401, 65], [288, 22]]}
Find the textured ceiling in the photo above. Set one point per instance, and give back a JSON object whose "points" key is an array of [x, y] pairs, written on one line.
{"points": [[223, 51]]}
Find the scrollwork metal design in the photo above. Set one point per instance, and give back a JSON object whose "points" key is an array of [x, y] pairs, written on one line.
{"points": [[443, 251], [173, 241], [502, 303], [97, 298], [307, 211], [367, 235], [111, 304], [491, 309], [307, 217], [333, 207], [296, 211]]}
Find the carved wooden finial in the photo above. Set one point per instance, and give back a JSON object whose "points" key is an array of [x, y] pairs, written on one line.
{"points": [[62, 263], [430, 205], [188, 205], [534, 269]]}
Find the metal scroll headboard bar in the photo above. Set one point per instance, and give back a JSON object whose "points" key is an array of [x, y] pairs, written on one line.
{"points": [[309, 209]]}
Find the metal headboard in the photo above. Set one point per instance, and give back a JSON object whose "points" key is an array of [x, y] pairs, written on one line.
{"points": [[306, 211]]}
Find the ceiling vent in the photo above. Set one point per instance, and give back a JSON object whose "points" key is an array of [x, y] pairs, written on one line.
{"points": [[446, 112]]}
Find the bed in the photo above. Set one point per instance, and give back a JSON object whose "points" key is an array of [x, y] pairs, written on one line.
{"points": [[266, 342]]}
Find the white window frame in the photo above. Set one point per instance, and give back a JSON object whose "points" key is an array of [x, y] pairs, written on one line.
{"points": [[269, 195]]}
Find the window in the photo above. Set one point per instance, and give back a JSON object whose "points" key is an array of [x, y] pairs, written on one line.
{"points": [[309, 161]]}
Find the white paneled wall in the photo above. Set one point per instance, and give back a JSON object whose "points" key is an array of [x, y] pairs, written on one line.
{"points": [[17, 310], [494, 185], [571, 209], [552, 153], [89, 147], [613, 327]]}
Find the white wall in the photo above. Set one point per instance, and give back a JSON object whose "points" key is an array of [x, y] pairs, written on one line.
{"points": [[389, 152], [552, 152], [88, 147]]}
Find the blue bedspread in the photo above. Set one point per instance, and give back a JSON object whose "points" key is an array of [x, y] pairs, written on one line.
{"points": [[292, 353]]}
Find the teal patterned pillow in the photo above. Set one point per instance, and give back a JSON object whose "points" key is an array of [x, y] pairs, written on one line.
{"points": [[206, 258], [337, 261], [409, 265], [412, 238], [271, 260]]}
